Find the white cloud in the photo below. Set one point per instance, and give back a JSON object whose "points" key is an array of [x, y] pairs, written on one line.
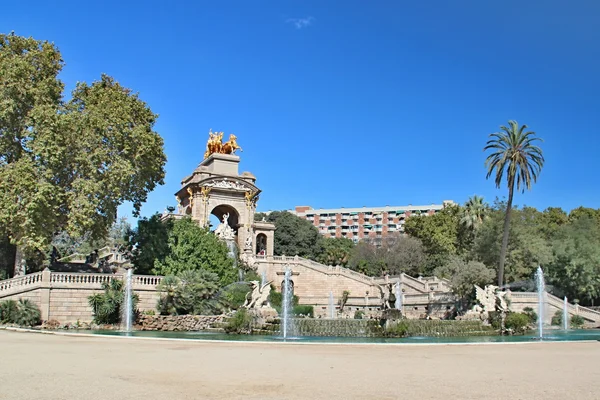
{"points": [[300, 23]]}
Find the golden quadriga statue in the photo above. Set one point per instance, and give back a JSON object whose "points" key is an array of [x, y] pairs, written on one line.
{"points": [[215, 144]]}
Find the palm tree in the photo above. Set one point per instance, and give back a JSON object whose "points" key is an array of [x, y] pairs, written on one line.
{"points": [[474, 212], [513, 151]]}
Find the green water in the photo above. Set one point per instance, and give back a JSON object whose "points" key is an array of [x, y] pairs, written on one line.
{"points": [[552, 336]]}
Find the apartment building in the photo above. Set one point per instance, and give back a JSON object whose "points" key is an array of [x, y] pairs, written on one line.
{"points": [[366, 222]]}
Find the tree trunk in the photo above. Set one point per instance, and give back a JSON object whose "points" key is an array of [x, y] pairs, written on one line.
{"points": [[18, 260], [505, 234]]}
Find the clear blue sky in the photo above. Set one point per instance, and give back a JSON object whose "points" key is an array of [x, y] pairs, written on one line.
{"points": [[349, 103]]}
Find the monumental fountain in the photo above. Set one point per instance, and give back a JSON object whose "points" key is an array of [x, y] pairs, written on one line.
{"points": [[287, 305], [127, 310], [565, 318], [541, 291], [216, 188]]}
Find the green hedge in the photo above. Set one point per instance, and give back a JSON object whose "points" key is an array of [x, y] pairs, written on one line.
{"points": [[414, 327]]}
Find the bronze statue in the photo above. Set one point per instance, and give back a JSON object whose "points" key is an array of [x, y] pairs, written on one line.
{"points": [[215, 144]]}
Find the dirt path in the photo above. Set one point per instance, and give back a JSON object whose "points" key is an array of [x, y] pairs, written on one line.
{"points": [[38, 366]]}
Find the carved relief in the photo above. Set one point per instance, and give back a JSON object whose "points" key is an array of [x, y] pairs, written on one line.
{"points": [[205, 191], [191, 200], [226, 184]]}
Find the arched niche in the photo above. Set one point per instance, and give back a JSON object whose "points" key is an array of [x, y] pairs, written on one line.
{"points": [[233, 219], [261, 244]]}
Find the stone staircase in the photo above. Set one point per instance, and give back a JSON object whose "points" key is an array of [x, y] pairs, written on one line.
{"points": [[422, 285], [521, 300]]}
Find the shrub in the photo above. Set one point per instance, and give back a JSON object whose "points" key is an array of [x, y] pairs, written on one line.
{"points": [[398, 329], [106, 307], [276, 299], [344, 299], [358, 314], [240, 322], [557, 318], [234, 296], [517, 322], [28, 314], [577, 321], [8, 311], [190, 292], [495, 319], [24, 313], [305, 310], [531, 314]]}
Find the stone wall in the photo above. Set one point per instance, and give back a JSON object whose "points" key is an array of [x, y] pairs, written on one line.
{"points": [[178, 322], [64, 296]]}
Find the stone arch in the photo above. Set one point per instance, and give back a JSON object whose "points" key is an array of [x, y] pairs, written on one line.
{"points": [[261, 244], [292, 286], [234, 215]]}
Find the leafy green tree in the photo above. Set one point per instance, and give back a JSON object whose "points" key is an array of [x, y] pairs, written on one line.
{"points": [[551, 220], [585, 212], [294, 235], [194, 248], [439, 233], [364, 259], [66, 165], [116, 237], [397, 254], [260, 216], [149, 242], [527, 248], [514, 152], [463, 275], [335, 251], [576, 267], [7, 256]]}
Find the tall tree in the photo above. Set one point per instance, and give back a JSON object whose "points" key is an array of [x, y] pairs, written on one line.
{"points": [[397, 254], [551, 221], [439, 233], [149, 242], [68, 165], [463, 275], [335, 251], [527, 248], [584, 212], [513, 152], [294, 235], [575, 270], [193, 248]]}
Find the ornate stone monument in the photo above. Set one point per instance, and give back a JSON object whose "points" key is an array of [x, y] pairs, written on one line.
{"points": [[216, 188], [490, 299]]}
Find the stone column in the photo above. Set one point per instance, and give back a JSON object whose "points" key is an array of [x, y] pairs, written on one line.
{"points": [[270, 242], [45, 295]]}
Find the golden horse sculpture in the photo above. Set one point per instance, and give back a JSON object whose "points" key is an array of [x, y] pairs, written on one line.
{"points": [[215, 144]]}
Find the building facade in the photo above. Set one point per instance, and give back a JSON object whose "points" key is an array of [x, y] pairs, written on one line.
{"points": [[365, 222]]}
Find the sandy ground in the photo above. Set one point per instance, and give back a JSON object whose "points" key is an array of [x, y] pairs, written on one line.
{"points": [[40, 366]]}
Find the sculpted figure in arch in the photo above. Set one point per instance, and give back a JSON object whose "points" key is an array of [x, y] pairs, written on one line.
{"points": [[248, 243], [224, 231]]}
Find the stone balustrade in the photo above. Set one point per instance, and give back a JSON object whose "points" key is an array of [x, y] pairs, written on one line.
{"points": [[20, 283], [63, 296]]}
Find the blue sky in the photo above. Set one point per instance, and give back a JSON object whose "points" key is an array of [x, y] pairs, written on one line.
{"points": [[348, 103]]}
